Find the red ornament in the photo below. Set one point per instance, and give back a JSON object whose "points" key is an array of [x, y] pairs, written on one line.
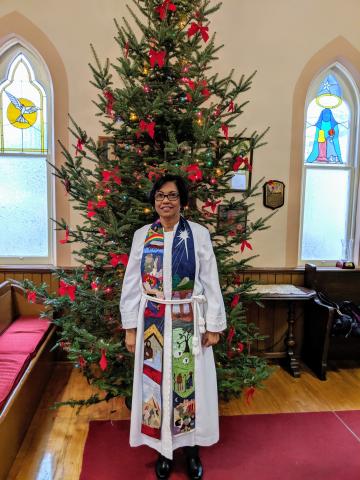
{"points": [[94, 286], [231, 106], [79, 146], [91, 207], [66, 239], [213, 181], [240, 347], [31, 296], [249, 394], [225, 130], [146, 88], [110, 102], [157, 58], [245, 244], [235, 300], [67, 289], [197, 27], [108, 290], [82, 361], [103, 360]]}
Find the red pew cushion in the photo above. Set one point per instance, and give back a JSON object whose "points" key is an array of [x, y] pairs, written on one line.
{"points": [[24, 335], [12, 366]]}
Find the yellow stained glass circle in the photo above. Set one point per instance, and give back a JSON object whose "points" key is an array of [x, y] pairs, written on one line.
{"points": [[18, 117]]}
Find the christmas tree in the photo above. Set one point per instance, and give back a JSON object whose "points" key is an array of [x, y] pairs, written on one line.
{"points": [[162, 110]]}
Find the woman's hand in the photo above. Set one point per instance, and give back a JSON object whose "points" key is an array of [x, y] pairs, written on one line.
{"points": [[210, 338], [130, 339]]}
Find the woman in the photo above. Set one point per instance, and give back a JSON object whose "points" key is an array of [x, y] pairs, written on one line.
{"points": [[172, 309]]}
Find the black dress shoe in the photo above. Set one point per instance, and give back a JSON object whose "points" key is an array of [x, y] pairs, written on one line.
{"points": [[194, 465], [163, 467]]}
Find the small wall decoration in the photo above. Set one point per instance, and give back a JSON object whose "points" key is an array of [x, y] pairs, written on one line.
{"points": [[232, 217], [274, 194]]}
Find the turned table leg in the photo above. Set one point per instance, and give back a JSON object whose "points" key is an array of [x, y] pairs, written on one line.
{"points": [[291, 360]]}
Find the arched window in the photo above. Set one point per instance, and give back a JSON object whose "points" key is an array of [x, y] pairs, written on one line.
{"points": [[330, 168], [26, 185]]}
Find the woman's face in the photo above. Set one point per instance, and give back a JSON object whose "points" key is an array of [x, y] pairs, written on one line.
{"points": [[168, 208]]}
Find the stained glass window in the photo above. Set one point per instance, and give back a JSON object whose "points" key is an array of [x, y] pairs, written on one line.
{"points": [[25, 187], [330, 168], [23, 110]]}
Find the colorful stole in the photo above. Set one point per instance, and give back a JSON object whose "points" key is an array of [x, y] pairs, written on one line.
{"points": [[183, 276]]}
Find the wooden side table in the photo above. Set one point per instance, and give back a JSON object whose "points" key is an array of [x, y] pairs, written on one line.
{"points": [[289, 294]]}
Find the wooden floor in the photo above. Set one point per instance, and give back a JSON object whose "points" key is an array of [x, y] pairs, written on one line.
{"points": [[53, 447]]}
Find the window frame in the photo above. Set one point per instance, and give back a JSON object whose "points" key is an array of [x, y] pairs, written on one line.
{"points": [[8, 54], [351, 95]]}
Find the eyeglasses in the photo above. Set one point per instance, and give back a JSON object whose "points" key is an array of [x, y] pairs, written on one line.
{"points": [[172, 196]]}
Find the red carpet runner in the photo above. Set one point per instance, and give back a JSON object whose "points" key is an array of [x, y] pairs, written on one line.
{"points": [[295, 446]]}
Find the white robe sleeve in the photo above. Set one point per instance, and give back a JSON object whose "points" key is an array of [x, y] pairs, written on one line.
{"points": [[215, 316], [131, 288]]}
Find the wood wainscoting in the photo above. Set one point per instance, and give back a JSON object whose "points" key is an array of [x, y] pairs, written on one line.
{"points": [[271, 320]]}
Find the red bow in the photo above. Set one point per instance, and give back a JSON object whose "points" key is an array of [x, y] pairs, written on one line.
{"points": [[197, 27], [103, 360], [108, 175], [101, 203], [240, 347], [67, 289], [79, 146], [194, 172], [157, 58], [102, 231], [235, 300], [188, 82], [31, 297], [119, 258], [246, 244], [164, 7], [66, 239], [110, 102], [211, 204], [249, 394], [148, 127], [90, 208], [230, 335], [231, 106], [152, 174], [225, 130], [241, 160]]}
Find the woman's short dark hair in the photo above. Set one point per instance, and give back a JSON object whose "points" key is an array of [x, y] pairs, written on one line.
{"points": [[180, 184]]}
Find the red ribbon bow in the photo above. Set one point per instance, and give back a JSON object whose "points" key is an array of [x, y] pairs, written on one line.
{"points": [[119, 258], [225, 130], [79, 146], [205, 91], [31, 297], [241, 160], [189, 83], [211, 204], [111, 175], [249, 394], [66, 239], [231, 106], [67, 289], [164, 7], [194, 172], [197, 27], [102, 231], [148, 127], [235, 300], [110, 102], [157, 58], [103, 360], [91, 207], [245, 244], [101, 203]]}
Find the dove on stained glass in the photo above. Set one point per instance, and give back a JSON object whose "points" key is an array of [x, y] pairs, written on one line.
{"points": [[23, 109]]}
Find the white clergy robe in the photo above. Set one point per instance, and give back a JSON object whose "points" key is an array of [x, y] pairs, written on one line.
{"points": [[132, 313]]}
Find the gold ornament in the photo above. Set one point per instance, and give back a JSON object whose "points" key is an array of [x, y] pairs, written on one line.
{"points": [[133, 117], [146, 70]]}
